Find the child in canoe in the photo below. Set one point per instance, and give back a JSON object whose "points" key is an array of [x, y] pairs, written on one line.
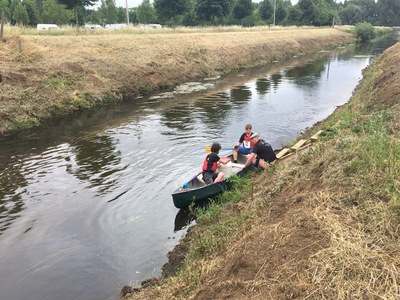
{"points": [[211, 163]]}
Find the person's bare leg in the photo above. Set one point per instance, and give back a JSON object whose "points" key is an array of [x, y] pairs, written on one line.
{"points": [[235, 155], [219, 177], [261, 163]]}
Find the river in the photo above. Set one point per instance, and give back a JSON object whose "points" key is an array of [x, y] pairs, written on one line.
{"points": [[86, 204]]}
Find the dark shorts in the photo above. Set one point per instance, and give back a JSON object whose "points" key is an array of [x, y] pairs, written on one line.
{"points": [[245, 151], [209, 177]]}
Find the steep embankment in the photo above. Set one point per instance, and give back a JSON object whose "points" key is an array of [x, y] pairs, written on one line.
{"points": [[46, 76], [324, 225]]}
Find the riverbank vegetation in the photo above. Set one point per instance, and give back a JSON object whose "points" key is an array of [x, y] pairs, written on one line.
{"points": [[365, 32], [323, 225], [44, 76]]}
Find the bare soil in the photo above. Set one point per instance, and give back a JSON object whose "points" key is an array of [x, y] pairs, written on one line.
{"points": [[50, 76]]}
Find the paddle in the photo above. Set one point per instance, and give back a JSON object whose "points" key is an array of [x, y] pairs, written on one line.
{"points": [[243, 150], [208, 149]]}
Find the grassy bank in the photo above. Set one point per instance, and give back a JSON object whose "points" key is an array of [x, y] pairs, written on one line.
{"points": [[46, 76], [324, 225]]}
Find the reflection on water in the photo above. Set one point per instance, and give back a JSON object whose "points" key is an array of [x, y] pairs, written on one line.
{"points": [[180, 118], [240, 94], [307, 75], [183, 219], [276, 79], [85, 203], [12, 183], [95, 161], [263, 85]]}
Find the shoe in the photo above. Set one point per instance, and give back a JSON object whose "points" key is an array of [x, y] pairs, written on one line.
{"points": [[235, 161]]}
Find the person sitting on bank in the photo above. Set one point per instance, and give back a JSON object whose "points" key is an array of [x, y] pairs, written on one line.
{"points": [[244, 140], [262, 153], [211, 163]]}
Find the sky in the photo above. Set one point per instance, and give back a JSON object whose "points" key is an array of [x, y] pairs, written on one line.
{"points": [[131, 3]]}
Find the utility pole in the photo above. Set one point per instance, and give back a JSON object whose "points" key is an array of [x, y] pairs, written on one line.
{"points": [[3, 18], [274, 12], [127, 12]]}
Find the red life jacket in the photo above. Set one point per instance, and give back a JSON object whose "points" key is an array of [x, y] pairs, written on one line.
{"points": [[205, 163], [248, 139]]}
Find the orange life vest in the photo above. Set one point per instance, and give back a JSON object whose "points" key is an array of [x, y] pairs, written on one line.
{"points": [[205, 164]]}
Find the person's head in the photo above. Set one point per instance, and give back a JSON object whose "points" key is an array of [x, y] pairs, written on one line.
{"points": [[248, 128], [215, 148], [255, 137]]}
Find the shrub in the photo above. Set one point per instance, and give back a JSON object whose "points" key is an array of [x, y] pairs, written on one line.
{"points": [[364, 32]]}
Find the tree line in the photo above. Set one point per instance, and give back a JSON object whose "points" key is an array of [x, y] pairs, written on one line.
{"points": [[204, 12]]}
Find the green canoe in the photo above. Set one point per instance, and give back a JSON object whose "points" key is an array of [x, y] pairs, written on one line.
{"points": [[196, 190]]}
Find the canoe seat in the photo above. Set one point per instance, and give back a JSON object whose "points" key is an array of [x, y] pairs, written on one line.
{"points": [[200, 178], [237, 165]]}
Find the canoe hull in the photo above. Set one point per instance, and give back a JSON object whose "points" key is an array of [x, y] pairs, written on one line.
{"points": [[197, 191], [183, 198]]}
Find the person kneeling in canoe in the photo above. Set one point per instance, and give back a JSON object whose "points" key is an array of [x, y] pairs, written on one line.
{"points": [[262, 154], [211, 163]]}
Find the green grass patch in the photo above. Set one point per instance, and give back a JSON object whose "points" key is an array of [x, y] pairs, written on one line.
{"points": [[23, 124], [58, 84], [216, 226]]}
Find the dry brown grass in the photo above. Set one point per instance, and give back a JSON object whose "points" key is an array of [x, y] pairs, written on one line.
{"points": [[52, 75], [139, 29], [323, 225]]}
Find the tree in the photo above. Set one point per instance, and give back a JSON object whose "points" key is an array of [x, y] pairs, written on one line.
{"points": [[146, 13], [266, 10], [210, 9], [242, 9], [323, 15], [133, 16], [315, 12], [351, 14], [92, 16], [33, 12], [190, 19], [295, 15], [39, 4], [121, 15], [20, 14], [280, 11], [368, 9], [108, 12], [170, 9], [389, 12], [75, 5], [4, 7], [55, 13]]}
